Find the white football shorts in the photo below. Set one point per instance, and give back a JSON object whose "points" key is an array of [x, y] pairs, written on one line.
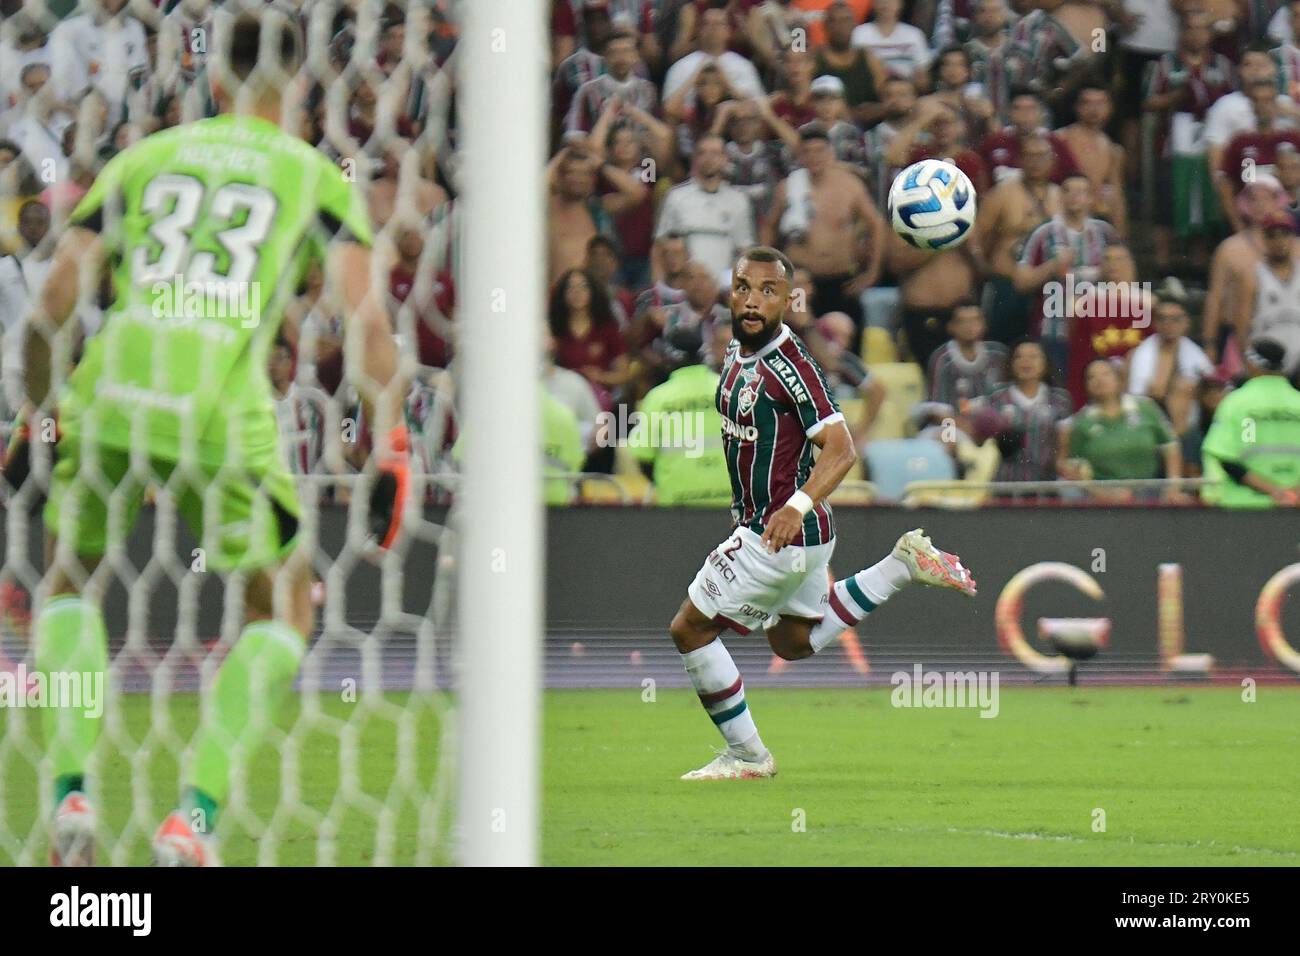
{"points": [[741, 585]]}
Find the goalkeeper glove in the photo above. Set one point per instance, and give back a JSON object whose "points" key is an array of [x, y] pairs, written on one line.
{"points": [[392, 487]]}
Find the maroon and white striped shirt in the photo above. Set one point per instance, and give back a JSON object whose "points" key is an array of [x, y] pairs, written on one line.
{"points": [[773, 403]]}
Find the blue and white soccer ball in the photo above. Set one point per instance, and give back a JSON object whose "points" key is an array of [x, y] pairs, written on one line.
{"points": [[932, 205]]}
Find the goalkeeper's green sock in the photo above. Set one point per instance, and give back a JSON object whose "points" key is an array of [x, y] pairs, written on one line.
{"points": [[250, 685], [71, 639]]}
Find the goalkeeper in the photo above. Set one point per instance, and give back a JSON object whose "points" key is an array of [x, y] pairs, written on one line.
{"points": [[237, 208]]}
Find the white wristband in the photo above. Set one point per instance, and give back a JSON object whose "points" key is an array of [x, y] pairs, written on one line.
{"points": [[800, 502]]}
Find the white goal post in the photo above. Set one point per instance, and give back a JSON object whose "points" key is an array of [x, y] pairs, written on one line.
{"points": [[503, 59]]}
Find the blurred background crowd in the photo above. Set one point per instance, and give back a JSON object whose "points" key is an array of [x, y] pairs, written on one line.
{"points": [[1134, 262]]}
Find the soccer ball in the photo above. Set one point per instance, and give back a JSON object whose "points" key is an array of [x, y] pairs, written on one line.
{"points": [[932, 205]]}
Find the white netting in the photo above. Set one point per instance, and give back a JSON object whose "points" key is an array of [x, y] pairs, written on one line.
{"points": [[357, 768]]}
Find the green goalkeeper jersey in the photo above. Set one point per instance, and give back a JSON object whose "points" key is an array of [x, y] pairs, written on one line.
{"points": [[209, 228]]}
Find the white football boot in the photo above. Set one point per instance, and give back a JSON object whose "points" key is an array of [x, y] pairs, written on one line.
{"points": [[932, 567], [727, 766], [72, 840]]}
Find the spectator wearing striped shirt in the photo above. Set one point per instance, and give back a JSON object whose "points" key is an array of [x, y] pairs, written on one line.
{"points": [[1032, 414], [299, 413], [1067, 247], [987, 49], [1045, 58], [620, 82], [582, 65], [966, 368]]}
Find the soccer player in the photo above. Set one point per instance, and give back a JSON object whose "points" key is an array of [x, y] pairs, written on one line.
{"points": [[230, 202], [771, 571]]}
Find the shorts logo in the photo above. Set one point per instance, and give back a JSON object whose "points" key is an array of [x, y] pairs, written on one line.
{"points": [[713, 588], [748, 610]]}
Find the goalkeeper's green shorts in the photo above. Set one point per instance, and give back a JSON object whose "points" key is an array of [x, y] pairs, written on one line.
{"points": [[243, 520]]}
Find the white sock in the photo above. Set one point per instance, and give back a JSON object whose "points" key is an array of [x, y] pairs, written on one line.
{"points": [[717, 681], [854, 598]]}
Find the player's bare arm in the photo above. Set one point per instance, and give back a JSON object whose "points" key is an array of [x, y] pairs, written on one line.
{"points": [[833, 463], [78, 247], [369, 351]]}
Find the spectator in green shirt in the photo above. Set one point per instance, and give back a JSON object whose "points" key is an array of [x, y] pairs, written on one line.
{"points": [[1120, 436], [679, 438], [1252, 449], [562, 449]]}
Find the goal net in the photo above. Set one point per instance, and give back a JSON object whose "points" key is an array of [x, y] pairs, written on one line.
{"points": [[356, 766]]}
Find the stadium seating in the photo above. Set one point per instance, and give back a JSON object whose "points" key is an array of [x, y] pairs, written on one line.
{"points": [[904, 387], [891, 464]]}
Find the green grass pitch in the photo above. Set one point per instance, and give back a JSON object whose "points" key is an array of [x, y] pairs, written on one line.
{"points": [[1185, 776]]}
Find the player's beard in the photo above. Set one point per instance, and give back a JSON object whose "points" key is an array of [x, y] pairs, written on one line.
{"points": [[753, 341]]}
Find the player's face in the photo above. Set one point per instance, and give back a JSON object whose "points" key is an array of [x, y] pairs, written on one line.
{"points": [[759, 293]]}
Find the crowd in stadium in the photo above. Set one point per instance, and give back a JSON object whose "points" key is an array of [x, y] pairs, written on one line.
{"points": [[1137, 165], [1124, 146], [82, 82]]}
